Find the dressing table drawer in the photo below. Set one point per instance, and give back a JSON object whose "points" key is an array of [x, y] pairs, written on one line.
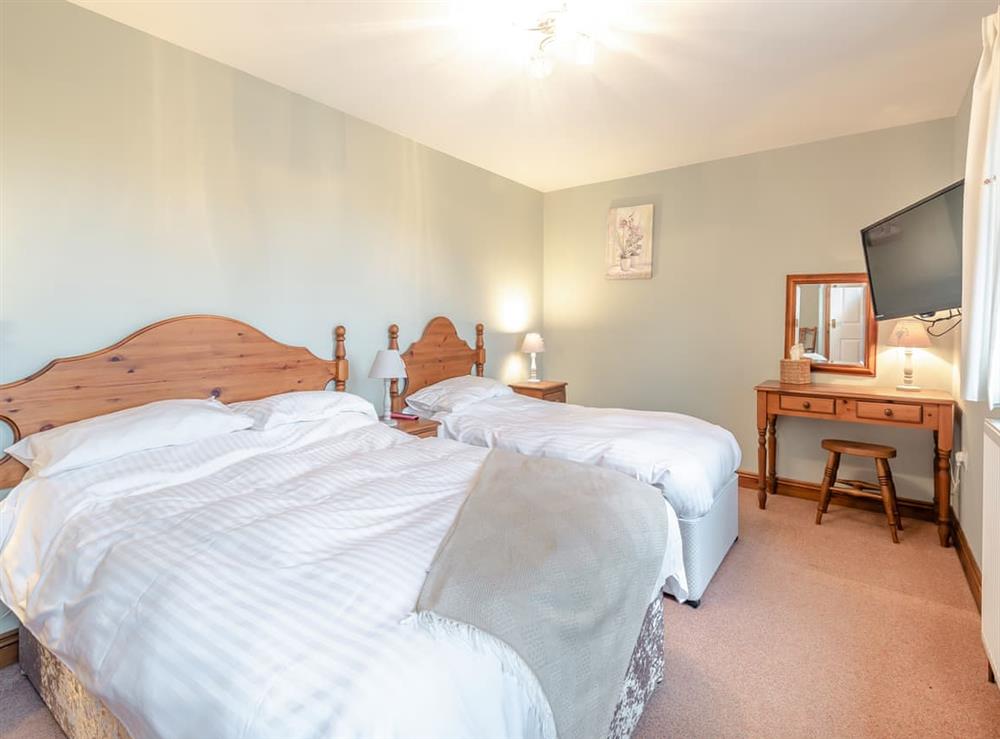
{"points": [[806, 404], [899, 412]]}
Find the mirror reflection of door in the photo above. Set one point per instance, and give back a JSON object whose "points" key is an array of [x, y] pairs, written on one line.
{"points": [[830, 315], [847, 324]]}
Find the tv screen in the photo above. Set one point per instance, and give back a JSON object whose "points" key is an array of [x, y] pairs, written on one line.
{"points": [[914, 257]]}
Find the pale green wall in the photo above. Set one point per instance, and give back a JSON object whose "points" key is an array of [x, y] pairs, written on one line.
{"points": [[709, 325], [142, 181]]}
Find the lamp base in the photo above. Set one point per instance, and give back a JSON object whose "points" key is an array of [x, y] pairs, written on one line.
{"points": [[387, 418], [533, 372], [908, 383]]}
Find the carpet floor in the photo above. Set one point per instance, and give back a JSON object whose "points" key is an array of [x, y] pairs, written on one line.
{"points": [[829, 631], [806, 630]]}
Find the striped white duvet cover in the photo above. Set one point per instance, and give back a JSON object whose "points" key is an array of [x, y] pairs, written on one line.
{"points": [[254, 584], [688, 458]]}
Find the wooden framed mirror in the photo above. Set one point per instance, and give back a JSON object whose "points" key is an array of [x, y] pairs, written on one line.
{"points": [[832, 316]]}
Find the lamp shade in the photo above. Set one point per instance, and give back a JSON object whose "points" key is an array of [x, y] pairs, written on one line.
{"points": [[388, 365], [910, 334], [533, 343]]}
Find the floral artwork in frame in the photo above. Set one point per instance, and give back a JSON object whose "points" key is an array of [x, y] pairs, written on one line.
{"points": [[630, 243]]}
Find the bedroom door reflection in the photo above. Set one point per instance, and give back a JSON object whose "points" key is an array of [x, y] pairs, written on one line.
{"points": [[847, 323]]}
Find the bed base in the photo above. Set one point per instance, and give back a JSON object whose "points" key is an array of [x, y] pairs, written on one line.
{"points": [[707, 540], [82, 715], [79, 713]]}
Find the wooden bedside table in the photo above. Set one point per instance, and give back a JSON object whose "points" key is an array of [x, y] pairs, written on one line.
{"points": [[543, 390], [425, 428], [8, 648]]}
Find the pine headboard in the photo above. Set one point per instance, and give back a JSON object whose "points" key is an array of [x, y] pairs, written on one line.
{"points": [[439, 354], [185, 357]]}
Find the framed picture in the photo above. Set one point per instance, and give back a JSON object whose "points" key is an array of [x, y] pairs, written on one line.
{"points": [[630, 243]]}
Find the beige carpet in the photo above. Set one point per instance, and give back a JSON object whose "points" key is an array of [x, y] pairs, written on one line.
{"points": [[22, 713], [827, 631], [830, 631]]}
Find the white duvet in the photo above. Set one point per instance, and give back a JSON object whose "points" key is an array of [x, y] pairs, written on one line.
{"points": [[686, 457], [256, 585]]}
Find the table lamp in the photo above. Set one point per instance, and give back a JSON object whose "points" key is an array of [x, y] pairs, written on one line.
{"points": [[533, 344], [388, 365], [909, 334]]}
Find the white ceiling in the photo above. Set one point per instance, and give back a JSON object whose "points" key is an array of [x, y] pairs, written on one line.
{"points": [[673, 82]]}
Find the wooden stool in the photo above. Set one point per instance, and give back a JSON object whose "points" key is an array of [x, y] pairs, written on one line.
{"points": [[859, 488]]}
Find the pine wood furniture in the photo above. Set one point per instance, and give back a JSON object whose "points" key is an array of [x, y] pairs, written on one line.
{"points": [[543, 390], [185, 357], [859, 488], [439, 354], [8, 648], [793, 282], [424, 428], [928, 410]]}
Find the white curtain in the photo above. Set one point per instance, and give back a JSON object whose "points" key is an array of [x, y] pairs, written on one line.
{"points": [[981, 229]]}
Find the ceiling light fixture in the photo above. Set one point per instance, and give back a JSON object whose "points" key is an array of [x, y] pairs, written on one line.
{"points": [[539, 66], [559, 28]]}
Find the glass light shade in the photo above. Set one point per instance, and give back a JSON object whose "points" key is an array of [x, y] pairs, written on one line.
{"points": [[586, 50], [539, 66], [909, 333], [387, 365], [533, 343]]}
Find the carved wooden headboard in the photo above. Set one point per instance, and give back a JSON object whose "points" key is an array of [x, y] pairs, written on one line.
{"points": [[439, 354], [184, 357]]}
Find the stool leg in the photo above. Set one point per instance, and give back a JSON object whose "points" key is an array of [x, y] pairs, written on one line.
{"points": [[829, 478], [884, 481], [895, 500]]}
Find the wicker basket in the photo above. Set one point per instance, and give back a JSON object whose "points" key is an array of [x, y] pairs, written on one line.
{"points": [[796, 371]]}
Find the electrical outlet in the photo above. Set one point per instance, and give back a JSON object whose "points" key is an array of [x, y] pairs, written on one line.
{"points": [[961, 457]]}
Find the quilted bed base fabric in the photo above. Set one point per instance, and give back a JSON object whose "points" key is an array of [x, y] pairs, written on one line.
{"points": [[79, 713], [708, 539]]}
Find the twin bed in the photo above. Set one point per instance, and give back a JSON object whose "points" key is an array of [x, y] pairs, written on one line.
{"points": [[279, 563], [693, 462]]}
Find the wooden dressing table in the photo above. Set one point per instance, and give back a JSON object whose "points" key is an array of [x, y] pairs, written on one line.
{"points": [[931, 410]]}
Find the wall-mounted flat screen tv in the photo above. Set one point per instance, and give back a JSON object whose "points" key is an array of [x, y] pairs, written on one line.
{"points": [[914, 257]]}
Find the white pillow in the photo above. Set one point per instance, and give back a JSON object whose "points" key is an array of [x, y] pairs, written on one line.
{"points": [[150, 426], [456, 393], [302, 405]]}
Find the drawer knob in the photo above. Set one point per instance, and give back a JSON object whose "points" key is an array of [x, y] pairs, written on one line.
{"points": [[806, 404], [887, 412]]}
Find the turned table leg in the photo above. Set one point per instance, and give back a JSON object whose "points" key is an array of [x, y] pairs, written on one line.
{"points": [[761, 450], [942, 493], [761, 467], [772, 455], [944, 440]]}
